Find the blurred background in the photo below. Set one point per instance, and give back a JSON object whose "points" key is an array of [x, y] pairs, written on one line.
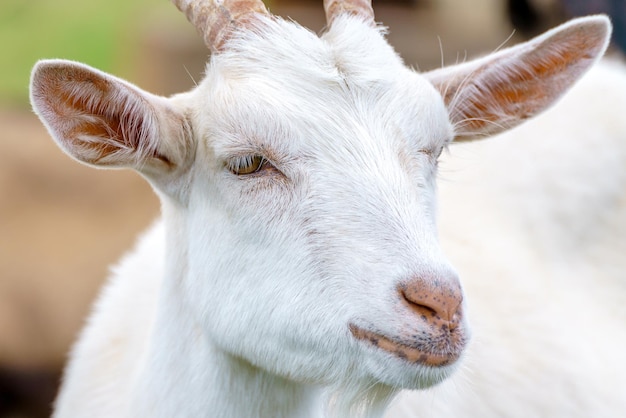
{"points": [[63, 224]]}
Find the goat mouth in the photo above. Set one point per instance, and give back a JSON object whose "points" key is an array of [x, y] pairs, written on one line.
{"points": [[412, 353]]}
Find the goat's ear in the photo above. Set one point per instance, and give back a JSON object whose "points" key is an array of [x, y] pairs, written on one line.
{"points": [[106, 122], [497, 92]]}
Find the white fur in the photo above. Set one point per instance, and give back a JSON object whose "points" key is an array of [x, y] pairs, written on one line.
{"points": [[239, 302], [535, 222]]}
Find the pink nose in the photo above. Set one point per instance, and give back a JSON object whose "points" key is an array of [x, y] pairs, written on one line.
{"points": [[436, 301]]}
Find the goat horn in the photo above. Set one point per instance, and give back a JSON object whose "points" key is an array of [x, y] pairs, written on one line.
{"points": [[362, 8], [216, 19]]}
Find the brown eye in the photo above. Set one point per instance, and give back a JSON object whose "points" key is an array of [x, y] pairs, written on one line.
{"points": [[247, 165]]}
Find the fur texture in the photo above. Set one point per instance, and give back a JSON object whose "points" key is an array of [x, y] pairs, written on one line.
{"points": [[535, 222], [252, 296]]}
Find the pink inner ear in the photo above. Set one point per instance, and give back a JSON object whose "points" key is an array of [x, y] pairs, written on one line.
{"points": [[500, 91], [104, 121], [532, 85], [528, 87], [96, 120]]}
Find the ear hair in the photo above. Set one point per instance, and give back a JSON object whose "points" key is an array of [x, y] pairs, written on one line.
{"points": [[104, 121], [495, 93]]}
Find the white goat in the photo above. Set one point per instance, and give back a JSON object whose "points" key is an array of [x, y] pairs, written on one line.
{"points": [[296, 271]]}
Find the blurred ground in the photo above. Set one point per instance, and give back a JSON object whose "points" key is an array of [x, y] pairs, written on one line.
{"points": [[62, 224]]}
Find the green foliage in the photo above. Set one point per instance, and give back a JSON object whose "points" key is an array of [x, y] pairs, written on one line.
{"points": [[101, 33]]}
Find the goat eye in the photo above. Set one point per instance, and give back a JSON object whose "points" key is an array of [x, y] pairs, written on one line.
{"points": [[247, 165], [435, 153]]}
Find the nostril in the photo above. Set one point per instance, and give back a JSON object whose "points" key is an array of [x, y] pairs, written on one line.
{"points": [[433, 301], [417, 307]]}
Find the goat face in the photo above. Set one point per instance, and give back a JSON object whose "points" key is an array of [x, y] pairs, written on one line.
{"points": [[298, 184], [311, 230]]}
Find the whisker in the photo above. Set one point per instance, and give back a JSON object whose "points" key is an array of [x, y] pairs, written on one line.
{"points": [[190, 76], [441, 51], [458, 126], [505, 42]]}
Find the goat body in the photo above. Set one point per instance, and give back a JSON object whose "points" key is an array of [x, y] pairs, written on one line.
{"points": [[296, 271]]}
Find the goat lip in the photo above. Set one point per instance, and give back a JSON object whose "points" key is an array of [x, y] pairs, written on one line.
{"points": [[408, 352]]}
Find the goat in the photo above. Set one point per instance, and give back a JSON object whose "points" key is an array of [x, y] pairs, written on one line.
{"points": [[296, 269]]}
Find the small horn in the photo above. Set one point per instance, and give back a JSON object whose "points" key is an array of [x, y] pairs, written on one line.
{"points": [[216, 19], [362, 8]]}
